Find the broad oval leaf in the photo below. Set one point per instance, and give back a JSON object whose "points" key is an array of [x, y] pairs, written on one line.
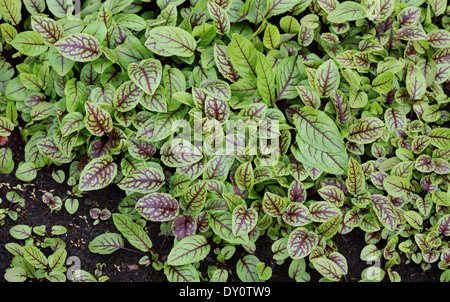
{"points": [[396, 186], [133, 232], [146, 74], [98, 173], [327, 268], [317, 129], [322, 211], [243, 220], [327, 78], [49, 29], [143, 180], [179, 153], [301, 242], [29, 43], [385, 211], [157, 207], [297, 215], [97, 120], [79, 47], [366, 130], [107, 243], [35, 257], [174, 40], [189, 250]]}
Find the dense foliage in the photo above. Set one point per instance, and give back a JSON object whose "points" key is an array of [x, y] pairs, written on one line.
{"points": [[228, 120]]}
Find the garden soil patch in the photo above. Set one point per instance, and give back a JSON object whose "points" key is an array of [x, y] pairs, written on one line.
{"points": [[122, 265]]}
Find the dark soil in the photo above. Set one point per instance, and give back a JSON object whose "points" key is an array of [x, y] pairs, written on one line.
{"points": [[122, 265]]}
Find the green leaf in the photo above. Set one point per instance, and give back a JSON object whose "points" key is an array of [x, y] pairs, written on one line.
{"points": [[26, 171], [383, 82], [265, 79], [20, 231], [243, 56], [11, 10], [29, 43], [327, 78], [271, 37], [440, 138], [355, 181], [35, 257], [327, 268], [318, 130], [107, 243], [15, 274], [6, 126], [98, 173], [396, 186], [174, 40], [133, 232], [347, 11], [189, 250], [301, 242]]}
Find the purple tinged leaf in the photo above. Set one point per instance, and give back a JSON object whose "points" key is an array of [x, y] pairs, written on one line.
{"points": [[79, 47], [174, 40], [222, 225], [288, 78], [220, 18], [184, 226], [411, 33], [425, 164], [341, 106], [243, 220], [301, 242], [273, 204], [144, 180], [179, 153], [106, 243], [444, 225], [11, 11], [439, 38], [355, 181], [305, 36], [146, 74], [442, 55], [216, 88], [97, 120], [216, 109], [318, 130], [127, 96], [327, 78], [409, 16], [195, 198], [332, 194], [442, 166], [322, 211], [308, 96], [385, 211], [297, 215], [366, 130], [48, 28], [223, 63], [98, 173], [297, 192], [158, 207], [50, 149]]}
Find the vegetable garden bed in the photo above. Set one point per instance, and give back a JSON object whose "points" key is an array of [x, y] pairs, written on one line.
{"points": [[233, 141]]}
